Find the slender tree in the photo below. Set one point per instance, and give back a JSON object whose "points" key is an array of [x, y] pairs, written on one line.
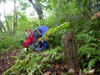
{"points": [[2, 28], [38, 8], [10, 30], [15, 18], [6, 18]]}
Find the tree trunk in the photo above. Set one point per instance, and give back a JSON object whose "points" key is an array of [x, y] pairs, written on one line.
{"points": [[2, 27], [15, 18], [7, 25], [6, 20], [38, 9], [70, 52]]}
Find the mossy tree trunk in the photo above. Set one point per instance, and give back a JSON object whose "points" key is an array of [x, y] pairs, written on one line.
{"points": [[70, 50]]}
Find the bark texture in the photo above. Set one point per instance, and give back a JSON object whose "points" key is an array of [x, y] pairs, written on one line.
{"points": [[38, 8], [70, 50]]}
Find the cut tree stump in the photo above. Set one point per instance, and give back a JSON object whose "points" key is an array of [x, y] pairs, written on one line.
{"points": [[70, 50]]}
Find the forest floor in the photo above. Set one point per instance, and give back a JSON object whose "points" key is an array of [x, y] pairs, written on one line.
{"points": [[7, 60], [56, 67]]}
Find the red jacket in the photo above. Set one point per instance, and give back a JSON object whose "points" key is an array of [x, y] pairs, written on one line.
{"points": [[29, 40]]}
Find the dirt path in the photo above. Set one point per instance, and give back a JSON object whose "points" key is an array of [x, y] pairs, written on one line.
{"points": [[7, 60]]}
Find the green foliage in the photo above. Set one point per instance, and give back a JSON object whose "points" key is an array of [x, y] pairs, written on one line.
{"points": [[86, 38], [30, 62], [88, 50], [7, 43], [78, 13], [51, 31]]}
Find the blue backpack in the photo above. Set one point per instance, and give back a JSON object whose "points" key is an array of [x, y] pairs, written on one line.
{"points": [[41, 45]]}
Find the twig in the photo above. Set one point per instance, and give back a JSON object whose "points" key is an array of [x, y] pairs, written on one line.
{"points": [[39, 69]]}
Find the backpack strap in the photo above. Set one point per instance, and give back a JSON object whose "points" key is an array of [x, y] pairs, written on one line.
{"points": [[31, 37]]}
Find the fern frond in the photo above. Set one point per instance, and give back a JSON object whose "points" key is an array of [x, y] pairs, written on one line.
{"points": [[86, 37]]}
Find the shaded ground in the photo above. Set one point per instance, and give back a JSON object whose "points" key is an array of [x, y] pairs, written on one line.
{"points": [[55, 68], [7, 60]]}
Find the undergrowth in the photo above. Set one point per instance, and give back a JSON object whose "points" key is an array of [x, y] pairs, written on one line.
{"points": [[88, 50], [31, 63], [9, 43]]}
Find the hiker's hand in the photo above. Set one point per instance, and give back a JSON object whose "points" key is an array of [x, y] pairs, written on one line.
{"points": [[25, 49], [40, 40], [45, 38]]}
